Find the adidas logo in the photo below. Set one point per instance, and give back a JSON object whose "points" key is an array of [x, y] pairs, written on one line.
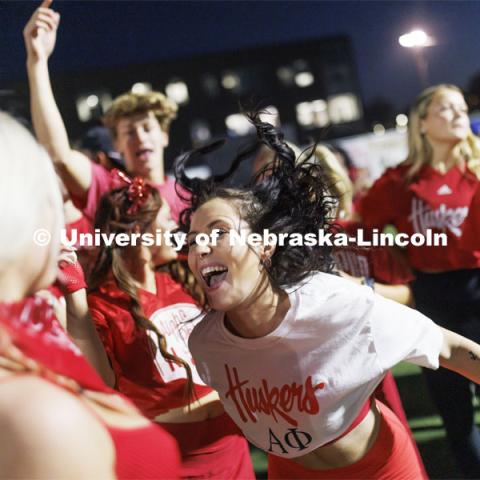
{"points": [[444, 190]]}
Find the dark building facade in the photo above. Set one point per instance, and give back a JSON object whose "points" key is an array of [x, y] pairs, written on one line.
{"points": [[312, 86]]}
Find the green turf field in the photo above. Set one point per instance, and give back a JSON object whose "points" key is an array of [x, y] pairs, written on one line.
{"points": [[424, 422]]}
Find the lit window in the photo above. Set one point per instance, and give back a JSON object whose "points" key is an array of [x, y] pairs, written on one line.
{"points": [[270, 115], [304, 114], [343, 108], [92, 101], [304, 79], [313, 114], [92, 105], [230, 81], [238, 125], [401, 120], [177, 91], [320, 113], [141, 87]]}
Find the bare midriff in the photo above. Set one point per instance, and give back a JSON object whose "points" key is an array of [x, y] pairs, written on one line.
{"points": [[348, 449]]}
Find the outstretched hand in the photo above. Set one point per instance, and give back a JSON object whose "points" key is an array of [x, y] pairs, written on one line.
{"points": [[40, 32]]}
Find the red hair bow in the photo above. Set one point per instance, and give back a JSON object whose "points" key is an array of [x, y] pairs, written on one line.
{"points": [[138, 190]]}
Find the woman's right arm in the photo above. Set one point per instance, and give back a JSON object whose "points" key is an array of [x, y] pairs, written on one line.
{"points": [[73, 167], [46, 432], [79, 323]]}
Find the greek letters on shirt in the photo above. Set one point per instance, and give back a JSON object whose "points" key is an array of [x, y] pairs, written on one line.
{"points": [[277, 402], [442, 218], [175, 323]]}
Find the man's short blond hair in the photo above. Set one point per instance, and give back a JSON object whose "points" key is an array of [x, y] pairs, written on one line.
{"points": [[129, 104]]}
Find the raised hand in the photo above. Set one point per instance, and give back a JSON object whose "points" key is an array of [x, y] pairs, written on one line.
{"points": [[40, 32]]}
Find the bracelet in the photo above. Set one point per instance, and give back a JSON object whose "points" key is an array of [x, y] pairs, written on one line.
{"points": [[369, 282]]}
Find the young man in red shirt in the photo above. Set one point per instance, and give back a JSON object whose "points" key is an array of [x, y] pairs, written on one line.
{"points": [[139, 124]]}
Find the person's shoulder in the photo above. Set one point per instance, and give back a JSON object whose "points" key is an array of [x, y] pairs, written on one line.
{"points": [[330, 294], [396, 173], [325, 281], [206, 330], [45, 427], [108, 298]]}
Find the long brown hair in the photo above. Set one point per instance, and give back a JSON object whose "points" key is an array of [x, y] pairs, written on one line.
{"points": [[114, 216]]}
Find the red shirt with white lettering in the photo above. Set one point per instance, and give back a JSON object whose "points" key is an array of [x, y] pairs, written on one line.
{"points": [[379, 263], [104, 180], [142, 374], [435, 201]]}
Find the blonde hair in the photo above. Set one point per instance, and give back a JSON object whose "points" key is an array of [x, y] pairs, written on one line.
{"points": [[28, 186], [420, 150], [129, 104]]}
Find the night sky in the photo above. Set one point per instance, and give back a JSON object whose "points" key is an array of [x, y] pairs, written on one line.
{"points": [[125, 32]]}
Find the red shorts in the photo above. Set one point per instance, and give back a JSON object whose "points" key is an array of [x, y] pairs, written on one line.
{"points": [[214, 449], [392, 457], [387, 393]]}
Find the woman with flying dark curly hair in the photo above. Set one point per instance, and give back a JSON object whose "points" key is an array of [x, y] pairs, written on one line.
{"points": [[294, 352]]}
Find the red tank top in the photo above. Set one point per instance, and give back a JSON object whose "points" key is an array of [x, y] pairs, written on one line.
{"points": [[145, 452]]}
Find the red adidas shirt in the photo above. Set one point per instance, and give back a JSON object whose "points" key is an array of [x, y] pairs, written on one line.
{"points": [[154, 384], [378, 263], [435, 201], [104, 180]]}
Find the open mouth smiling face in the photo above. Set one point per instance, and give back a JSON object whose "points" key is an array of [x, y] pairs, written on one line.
{"points": [[227, 272]]}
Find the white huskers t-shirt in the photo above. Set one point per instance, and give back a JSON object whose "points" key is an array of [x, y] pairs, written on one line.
{"points": [[303, 385]]}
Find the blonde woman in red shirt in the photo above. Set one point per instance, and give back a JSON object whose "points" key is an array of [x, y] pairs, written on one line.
{"points": [[433, 191]]}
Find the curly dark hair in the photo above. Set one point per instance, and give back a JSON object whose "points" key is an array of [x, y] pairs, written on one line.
{"points": [[286, 196]]}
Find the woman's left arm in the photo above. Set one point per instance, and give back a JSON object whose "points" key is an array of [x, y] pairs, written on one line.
{"points": [[460, 355]]}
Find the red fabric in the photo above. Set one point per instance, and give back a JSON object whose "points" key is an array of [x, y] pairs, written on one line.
{"points": [[104, 180], [392, 457], [387, 392], [82, 225], [145, 453], [471, 232], [378, 263], [141, 453], [71, 278], [214, 448], [433, 200], [129, 347], [363, 413], [37, 333]]}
